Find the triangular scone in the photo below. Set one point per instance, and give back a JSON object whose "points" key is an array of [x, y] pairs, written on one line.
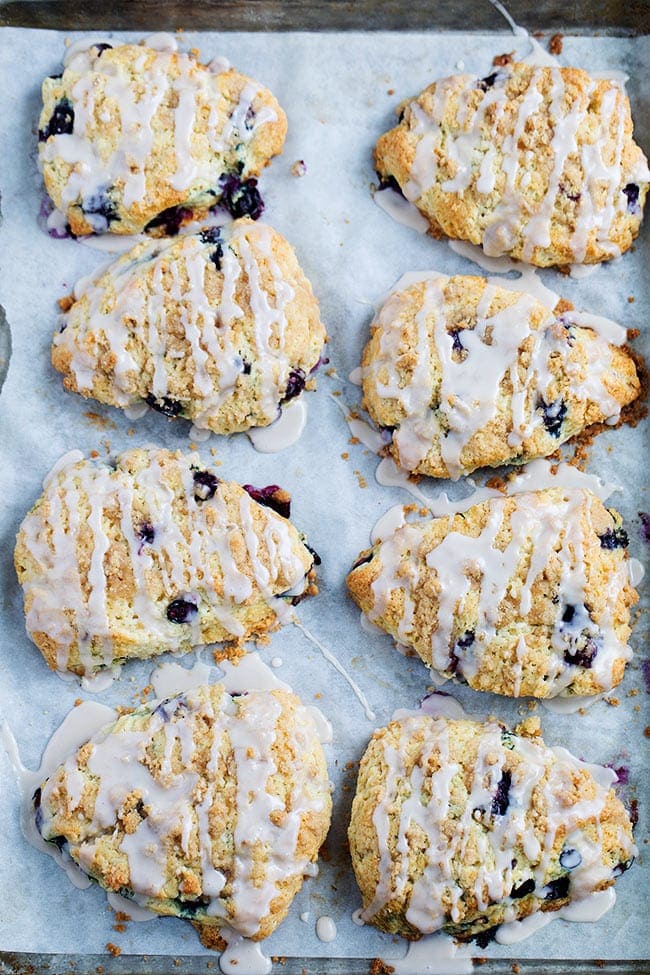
{"points": [[521, 595], [470, 374], [134, 139], [533, 162], [153, 553], [203, 806], [220, 327], [463, 826]]}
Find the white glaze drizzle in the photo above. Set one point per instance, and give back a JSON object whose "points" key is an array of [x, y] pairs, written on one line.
{"points": [[517, 213], [138, 302], [468, 397], [338, 666], [554, 524], [60, 604], [283, 432], [165, 77], [421, 792], [246, 728]]}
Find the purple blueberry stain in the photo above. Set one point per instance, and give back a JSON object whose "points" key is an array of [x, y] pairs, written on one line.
{"points": [[631, 191], [622, 773], [456, 344], [525, 888], [205, 485], [181, 611], [622, 867], [557, 889], [500, 800], [146, 534], [363, 560], [582, 656], [553, 415], [170, 220], [100, 48], [61, 121], [212, 236], [241, 197], [100, 211], [295, 384], [163, 404], [314, 554], [644, 518], [271, 496], [614, 538]]}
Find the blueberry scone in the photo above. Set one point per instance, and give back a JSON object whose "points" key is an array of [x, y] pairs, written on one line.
{"points": [[522, 595], [204, 806], [463, 826], [468, 374], [134, 139], [537, 163], [152, 553], [220, 327]]}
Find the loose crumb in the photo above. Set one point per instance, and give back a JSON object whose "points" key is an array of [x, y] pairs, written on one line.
{"points": [[631, 299], [515, 968], [361, 479], [299, 168], [114, 950], [501, 60], [331, 372], [345, 455], [379, 967], [646, 731], [354, 440], [633, 692], [77, 702], [337, 392], [390, 91], [613, 701], [318, 696], [119, 927], [555, 44]]}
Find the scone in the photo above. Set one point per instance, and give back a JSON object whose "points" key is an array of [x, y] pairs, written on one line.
{"points": [[220, 327], [134, 139], [468, 374], [204, 806], [537, 163], [464, 826], [520, 595], [149, 553]]}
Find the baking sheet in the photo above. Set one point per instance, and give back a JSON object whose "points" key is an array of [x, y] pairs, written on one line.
{"points": [[339, 92]]}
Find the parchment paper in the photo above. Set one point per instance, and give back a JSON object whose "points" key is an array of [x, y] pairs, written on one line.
{"points": [[339, 92]]}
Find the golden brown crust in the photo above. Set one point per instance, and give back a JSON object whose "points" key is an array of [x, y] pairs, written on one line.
{"points": [[400, 590], [157, 85], [400, 767], [520, 104]]}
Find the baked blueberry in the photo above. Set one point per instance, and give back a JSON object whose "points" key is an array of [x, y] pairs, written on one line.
{"points": [[181, 611], [553, 415], [61, 122], [500, 798], [295, 384], [164, 405], [614, 538], [271, 496], [205, 484], [241, 197]]}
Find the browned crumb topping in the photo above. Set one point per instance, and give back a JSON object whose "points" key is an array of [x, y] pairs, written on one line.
{"points": [[497, 483], [65, 304], [209, 936], [555, 44], [231, 652], [379, 967]]}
